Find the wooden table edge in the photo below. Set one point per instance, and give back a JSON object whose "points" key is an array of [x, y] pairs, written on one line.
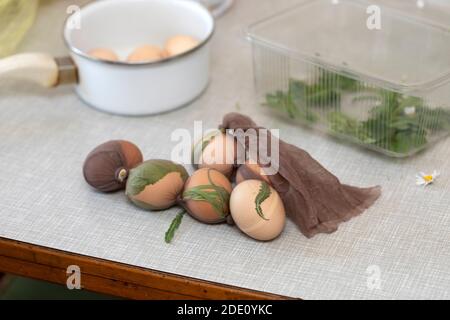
{"points": [[113, 278]]}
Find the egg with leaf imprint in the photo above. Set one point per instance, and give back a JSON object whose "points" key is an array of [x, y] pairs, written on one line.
{"points": [[216, 151], [206, 196], [156, 184], [107, 167], [257, 210]]}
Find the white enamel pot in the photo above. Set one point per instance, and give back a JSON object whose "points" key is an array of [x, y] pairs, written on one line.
{"points": [[120, 87]]}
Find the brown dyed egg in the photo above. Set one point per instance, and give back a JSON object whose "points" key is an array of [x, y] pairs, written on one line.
{"points": [[216, 151], [257, 210], [179, 44], [104, 54], [146, 53], [200, 145], [106, 168], [206, 196], [251, 171], [156, 184]]}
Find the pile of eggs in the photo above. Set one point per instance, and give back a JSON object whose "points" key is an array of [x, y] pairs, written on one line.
{"points": [[208, 196], [174, 46]]}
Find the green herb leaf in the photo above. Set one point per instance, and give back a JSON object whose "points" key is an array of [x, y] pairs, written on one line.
{"points": [[292, 102], [263, 195], [176, 222], [342, 124]]}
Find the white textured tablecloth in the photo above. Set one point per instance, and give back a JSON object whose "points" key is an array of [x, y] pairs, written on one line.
{"points": [[45, 135]]}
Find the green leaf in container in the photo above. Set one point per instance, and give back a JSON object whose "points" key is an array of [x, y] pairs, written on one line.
{"points": [[293, 102], [397, 123]]}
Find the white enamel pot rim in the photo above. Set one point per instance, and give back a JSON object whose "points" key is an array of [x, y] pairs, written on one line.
{"points": [[118, 87], [143, 88], [91, 5]]}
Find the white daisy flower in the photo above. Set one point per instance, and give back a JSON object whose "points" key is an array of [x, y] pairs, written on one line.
{"points": [[423, 179]]}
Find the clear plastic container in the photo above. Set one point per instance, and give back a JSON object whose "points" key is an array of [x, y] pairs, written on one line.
{"points": [[387, 89]]}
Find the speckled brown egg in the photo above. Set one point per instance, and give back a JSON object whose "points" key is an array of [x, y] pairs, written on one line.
{"points": [[180, 44], [206, 196], [156, 184], [146, 53], [257, 210], [104, 54]]}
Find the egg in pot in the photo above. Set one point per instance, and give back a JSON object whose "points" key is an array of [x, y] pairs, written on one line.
{"points": [[180, 44], [206, 196], [146, 53], [104, 54], [257, 210]]}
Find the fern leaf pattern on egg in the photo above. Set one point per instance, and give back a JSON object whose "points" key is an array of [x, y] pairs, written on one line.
{"points": [[206, 196], [257, 210]]}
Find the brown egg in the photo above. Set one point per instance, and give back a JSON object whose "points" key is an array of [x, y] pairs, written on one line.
{"points": [[218, 152], [257, 210], [104, 54], [200, 145], [106, 168], [251, 171], [146, 53], [179, 44], [156, 184], [206, 196]]}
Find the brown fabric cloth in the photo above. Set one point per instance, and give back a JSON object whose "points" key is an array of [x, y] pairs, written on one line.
{"points": [[314, 198]]}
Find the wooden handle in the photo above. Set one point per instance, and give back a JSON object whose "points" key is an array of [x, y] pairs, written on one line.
{"points": [[37, 67]]}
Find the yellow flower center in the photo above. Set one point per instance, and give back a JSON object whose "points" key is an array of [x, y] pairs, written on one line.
{"points": [[428, 178]]}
